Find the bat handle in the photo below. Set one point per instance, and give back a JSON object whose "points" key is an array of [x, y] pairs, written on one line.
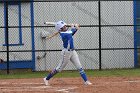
{"points": [[68, 24]]}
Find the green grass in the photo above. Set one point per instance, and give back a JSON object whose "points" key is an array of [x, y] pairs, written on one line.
{"points": [[117, 72], [92, 73]]}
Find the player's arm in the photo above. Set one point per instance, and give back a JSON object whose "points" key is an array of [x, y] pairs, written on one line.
{"points": [[49, 37], [74, 28]]}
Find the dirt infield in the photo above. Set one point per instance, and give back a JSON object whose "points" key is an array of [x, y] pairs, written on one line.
{"points": [[72, 85]]}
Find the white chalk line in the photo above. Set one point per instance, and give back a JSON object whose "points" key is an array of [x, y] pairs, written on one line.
{"points": [[19, 89], [24, 88], [137, 81], [129, 81], [67, 89], [5, 83]]}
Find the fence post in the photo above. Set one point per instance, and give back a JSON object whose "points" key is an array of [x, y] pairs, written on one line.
{"points": [[32, 33], [7, 35], [100, 54]]}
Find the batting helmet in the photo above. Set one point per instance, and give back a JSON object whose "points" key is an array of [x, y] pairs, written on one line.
{"points": [[59, 25]]}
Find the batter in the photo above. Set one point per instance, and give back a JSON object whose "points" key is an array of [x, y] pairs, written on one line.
{"points": [[68, 53]]}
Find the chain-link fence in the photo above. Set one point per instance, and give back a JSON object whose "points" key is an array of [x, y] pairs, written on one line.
{"points": [[107, 37]]}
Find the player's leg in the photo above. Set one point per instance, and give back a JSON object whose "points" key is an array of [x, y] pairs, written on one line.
{"points": [[75, 60], [50, 75], [64, 60]]}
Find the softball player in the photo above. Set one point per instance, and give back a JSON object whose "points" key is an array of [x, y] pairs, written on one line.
{"points": [[68, 53]]}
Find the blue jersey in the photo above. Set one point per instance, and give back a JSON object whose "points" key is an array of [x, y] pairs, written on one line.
{"points": [[67, 38]]}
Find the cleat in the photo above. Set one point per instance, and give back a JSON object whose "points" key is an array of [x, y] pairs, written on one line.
{"points": [[46, 82], [88, 83]]}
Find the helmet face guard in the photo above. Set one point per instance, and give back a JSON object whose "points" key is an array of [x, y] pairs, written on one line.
{"points": [[59, 25]]}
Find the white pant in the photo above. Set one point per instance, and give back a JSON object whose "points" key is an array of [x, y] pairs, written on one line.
{"points": [[68, 56]]}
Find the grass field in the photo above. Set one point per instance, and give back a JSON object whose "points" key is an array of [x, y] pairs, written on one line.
{"points": [[92, 73]]}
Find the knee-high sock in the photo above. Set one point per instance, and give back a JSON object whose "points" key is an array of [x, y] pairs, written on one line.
{"points": [[50, 75], [83, 74]]}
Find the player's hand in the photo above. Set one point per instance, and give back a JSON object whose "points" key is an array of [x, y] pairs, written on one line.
{"points": [[77, 26], [72, 25], [49, 37]]}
